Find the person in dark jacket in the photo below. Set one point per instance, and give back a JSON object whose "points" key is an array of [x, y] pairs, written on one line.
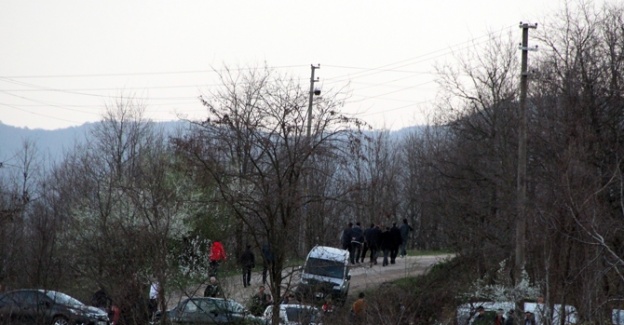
{"points": [[509, 320], [386, 244], [395, 235], [405, 231], [101, 299], [357, 238], [365, 246], [267, 255], [213, 289], [374, 242], [480, 318], [248, 262]]}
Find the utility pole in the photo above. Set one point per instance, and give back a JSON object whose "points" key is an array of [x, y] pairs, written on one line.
{"points": [[521, 221], [305, 225], [312, 93]]}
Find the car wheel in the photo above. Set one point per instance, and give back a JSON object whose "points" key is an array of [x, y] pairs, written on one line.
{"points": [[60, 320]]}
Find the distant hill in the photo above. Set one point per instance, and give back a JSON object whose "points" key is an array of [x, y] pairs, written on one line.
{"points": [[54, 143]]}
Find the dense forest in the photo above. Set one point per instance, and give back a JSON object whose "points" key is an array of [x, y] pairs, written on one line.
{"points": [[132, 203]]}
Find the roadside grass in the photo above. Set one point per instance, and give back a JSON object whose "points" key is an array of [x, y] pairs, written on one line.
{"points": [[417, 252]]}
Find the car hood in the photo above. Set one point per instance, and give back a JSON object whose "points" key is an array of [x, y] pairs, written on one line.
{"points": [[314, 279]]}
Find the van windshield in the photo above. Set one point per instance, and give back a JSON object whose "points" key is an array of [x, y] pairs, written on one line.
{"points": [[332, 269]]}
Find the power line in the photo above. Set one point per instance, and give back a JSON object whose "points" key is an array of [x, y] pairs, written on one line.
{"points": [[425, 57], [39, 114], [92, 75]]}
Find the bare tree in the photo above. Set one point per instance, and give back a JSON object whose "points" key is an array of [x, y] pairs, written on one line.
{"points": [[476, 156], [254, 146], [578, 132], [374, 176], [26, 243]]}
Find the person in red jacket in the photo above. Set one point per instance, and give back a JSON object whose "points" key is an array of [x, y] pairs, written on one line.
{"points": [[216, 256]]}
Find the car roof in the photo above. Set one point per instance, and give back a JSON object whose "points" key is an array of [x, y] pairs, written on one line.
{"points": [[30, 290], [209, 299], [330, 253]]}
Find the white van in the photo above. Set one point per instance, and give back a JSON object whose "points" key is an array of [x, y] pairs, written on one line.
{"points": [[325, 273]]}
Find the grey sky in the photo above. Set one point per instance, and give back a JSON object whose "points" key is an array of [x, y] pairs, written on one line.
{"points": [[61, 61]]}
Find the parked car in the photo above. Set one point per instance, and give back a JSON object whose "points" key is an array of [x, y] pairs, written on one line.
{"points": [[467, 312], [295, 314], [38, 306], [206, 310]]}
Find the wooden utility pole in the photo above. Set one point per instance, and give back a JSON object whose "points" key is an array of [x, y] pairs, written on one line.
{"points": [[521, 221], [305, 225], [312, 81]]}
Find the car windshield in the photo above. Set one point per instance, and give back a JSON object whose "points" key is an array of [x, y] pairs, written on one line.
{"points": [[332, 269], [301, 315], [63, 299]]}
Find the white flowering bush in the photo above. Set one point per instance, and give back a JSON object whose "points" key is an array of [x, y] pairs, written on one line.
{"points": [[502, 289]]}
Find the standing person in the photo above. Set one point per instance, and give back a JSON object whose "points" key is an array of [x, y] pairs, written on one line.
{"points": [[268, 261], [480, 319], [345, 239], [395, 234], [510, 319], [385, 244], [216, 256], [248, 261], [357, 237], [365, 245], [153, 297], [213, 289], [101, 299], [500, 317], [374, 243], [529, 318], [405, 230], [359, 309], [260, 301]]}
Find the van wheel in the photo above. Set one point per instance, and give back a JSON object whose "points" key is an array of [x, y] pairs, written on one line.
{"points": [[60, 320]]}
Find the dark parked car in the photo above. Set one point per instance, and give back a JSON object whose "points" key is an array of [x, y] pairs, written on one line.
{"points": [[206, 311], [46, 307]]}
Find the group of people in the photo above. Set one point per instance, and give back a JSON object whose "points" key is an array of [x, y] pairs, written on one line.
{"points": [[135, 302], [501, 318], [102, 300], [248, 262], [390, 241]]}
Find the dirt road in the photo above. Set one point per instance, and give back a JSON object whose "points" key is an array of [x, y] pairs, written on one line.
{"points": [[362, 278]]}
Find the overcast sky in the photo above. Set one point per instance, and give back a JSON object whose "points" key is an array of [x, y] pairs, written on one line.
{"points": [[62, 61]]}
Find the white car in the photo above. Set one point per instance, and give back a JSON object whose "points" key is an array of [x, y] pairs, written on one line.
{"points": [[295, 314], [325, 273]]}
